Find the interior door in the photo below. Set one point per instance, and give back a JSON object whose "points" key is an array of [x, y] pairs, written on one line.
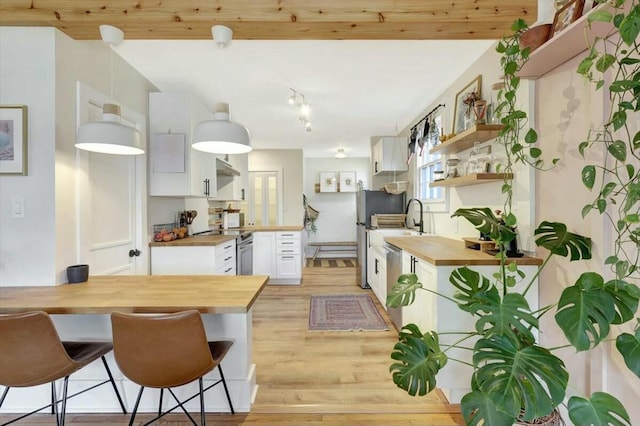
{"points": [[264, 203], [110, 198]]}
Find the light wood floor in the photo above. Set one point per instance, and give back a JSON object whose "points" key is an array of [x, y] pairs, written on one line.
{"points": [[311, 377]]}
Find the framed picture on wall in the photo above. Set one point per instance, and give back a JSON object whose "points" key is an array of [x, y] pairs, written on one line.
{"points": [[462, 108], [571, 11], [328, 182], [13, 140], [347, 181]]}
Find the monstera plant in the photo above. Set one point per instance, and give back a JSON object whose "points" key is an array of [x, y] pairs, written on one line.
{"points": [[515, 379]]}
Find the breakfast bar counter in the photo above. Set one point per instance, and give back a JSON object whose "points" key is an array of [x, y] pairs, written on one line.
{"points": [[209, 294], [82, 312]]}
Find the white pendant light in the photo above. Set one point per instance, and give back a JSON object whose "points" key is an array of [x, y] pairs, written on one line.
{"points": [[340, 153], [221, 135], [109, 136]]}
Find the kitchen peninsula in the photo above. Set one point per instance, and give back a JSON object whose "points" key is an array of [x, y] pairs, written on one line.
{"points": [[81, 311], [433, 259]]}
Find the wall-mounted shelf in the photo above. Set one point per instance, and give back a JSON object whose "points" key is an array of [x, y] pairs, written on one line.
{"points": [[565, 45], [465, 140], [472, 179], [317, 188]]}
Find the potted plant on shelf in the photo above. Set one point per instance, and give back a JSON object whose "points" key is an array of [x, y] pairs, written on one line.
{"points": [[515, 379]]}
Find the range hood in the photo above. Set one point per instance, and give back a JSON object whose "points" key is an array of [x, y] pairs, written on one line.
{"points": [[225, 169]]}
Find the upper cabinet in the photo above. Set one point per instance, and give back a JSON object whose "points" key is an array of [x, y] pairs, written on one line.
{"points": [[389, 154], [232, 174], [176, 169]]}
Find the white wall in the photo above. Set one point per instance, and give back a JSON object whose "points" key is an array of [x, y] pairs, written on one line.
{"points": [[567, 108], [27, 72], [488, 194], [290, 163], [39, 68], [337, 218]]}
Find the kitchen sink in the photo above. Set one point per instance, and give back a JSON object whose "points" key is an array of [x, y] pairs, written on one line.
{"points": [[398, 232]]}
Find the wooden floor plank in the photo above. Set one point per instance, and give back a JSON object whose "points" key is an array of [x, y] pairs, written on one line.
{"points": [[310, 377]]}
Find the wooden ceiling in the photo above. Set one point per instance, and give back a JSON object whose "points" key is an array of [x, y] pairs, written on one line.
{"points": [[275, 19]]}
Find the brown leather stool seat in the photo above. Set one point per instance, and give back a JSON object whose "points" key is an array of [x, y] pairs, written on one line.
{"points": [[31, 354], [164, 351]]}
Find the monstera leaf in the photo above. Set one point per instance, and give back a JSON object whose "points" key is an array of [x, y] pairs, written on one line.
{"points": [[554, 237], [625, 298], [479, 409], [585, 311], [403, 292], [419, 360], [485, 221], [629, 346], [601, 410], [511, 317], [518, 378], [474, 289]]}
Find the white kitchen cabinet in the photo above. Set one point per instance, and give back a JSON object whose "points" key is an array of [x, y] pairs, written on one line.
{"points": [[279, 255], [389, 154], [377, 267], [232, 187], [417, 313], [264, 254], [176, 169], [194, 260], [289, 258]]}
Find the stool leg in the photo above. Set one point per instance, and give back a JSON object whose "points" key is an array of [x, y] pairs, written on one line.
{"points": [[135, 407], [160, 402], [202, 419], [53, 398], [113, 383], [226, 390], [63, 411], [4, 395]]}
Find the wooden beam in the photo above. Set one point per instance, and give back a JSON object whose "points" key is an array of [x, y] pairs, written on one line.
{"points": [[275, 19]]}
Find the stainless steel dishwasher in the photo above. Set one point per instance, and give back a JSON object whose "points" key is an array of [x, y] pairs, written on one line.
{"points": [[394, 270]]}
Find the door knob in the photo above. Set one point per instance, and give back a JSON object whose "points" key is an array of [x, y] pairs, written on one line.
{"points": [[133, 252]]}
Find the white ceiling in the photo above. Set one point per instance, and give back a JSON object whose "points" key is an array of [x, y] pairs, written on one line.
{"points": [[356, 89]]}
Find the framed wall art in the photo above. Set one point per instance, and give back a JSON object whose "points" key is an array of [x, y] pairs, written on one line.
{"points": [[347, 181], [13, 139], [462, 108], [328, 182], [571, 11]]}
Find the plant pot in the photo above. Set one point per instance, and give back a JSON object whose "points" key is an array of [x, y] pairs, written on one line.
{"points": [[77, 273], [553, 419], [535, 37]]}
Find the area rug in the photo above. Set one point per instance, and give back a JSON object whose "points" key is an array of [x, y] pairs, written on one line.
{"points": [[345, 313], [331, 263]]}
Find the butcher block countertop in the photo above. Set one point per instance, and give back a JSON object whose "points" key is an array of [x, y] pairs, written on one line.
{"points": [[215, 239], [273, 228], [441, 251], [209, 294], [196, 240]]}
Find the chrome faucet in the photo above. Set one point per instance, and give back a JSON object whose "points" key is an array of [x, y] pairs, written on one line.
{"points": [[419, 224]]}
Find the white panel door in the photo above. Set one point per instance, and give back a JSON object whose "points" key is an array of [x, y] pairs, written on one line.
{"points": [[110, 198]]}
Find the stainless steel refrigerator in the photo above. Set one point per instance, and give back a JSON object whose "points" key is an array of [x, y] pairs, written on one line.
{"points": [[367, 204]]}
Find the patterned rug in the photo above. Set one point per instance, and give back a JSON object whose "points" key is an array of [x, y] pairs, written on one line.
{"points": [[331, 263], [345, 313]]}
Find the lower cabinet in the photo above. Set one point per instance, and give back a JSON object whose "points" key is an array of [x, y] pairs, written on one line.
{"points": [[194, 260], [377, 273], [279, 255], [423, 310]]}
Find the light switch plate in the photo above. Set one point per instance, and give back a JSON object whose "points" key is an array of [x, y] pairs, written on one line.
{"points": [[17, 207]]}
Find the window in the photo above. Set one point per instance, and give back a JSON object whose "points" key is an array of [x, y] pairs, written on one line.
{"points": [[428, 164]]}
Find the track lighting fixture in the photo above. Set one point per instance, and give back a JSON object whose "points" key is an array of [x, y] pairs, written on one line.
{"points": [[304, 109]]}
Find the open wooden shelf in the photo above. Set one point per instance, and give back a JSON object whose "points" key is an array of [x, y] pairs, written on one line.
{"points": [[472, 179], [465, 140], [565, 45], [317, 189]]}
